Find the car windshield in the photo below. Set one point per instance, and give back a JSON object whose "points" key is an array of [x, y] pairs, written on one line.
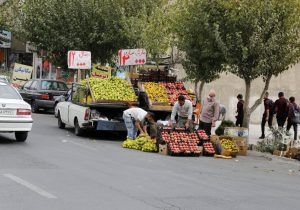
{"points": [[54, 85], [8, 92]]}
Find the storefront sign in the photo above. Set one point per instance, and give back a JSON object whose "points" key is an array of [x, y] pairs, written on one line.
{"points": [[132, 57], [21, 75], [5, 39], [101, 71], [79, 60]]}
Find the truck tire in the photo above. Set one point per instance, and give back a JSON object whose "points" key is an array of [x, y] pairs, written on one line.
{"points": [[78, 130], [21, 136], [60, 124], [34, 107]]}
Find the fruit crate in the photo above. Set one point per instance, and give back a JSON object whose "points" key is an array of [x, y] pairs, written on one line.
{"points": [[206, 150], [221, 150], [182, 148]]}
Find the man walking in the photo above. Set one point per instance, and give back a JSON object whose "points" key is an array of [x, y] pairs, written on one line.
{"points": [[292, 121], [240, 111], [268, 114], [281, 109], [209, 113]]}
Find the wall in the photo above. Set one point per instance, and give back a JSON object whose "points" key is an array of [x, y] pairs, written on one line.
{"points": [[229, 86]]}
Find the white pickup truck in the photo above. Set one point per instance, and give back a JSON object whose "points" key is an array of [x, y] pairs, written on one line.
{"points": [[104, 116]]}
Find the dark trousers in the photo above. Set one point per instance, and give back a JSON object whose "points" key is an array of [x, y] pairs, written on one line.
{"points": [[295, 126], [239, 121], [263, 123], [281, 120], [206, 127]]}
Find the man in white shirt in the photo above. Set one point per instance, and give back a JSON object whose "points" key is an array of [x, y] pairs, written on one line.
{"points": [[133, 118], [184, 109]]}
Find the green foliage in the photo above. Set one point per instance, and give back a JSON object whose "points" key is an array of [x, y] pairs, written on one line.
{"points": [[195, 36]]}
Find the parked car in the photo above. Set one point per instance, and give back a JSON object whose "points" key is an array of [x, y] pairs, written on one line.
{"points": [[65, 97], [15, 113], [41, 93]]}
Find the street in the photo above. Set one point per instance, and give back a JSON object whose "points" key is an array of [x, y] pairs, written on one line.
{"points": [[54, 169]]}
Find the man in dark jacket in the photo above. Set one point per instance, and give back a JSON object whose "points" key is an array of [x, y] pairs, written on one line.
{"points": [[268, 114], [240, 111], [292, 106], [281, 109]]}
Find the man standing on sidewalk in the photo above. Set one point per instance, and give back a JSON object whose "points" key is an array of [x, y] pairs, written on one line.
{"points": [[240, 111], [268, 114], [281, 109], [209, 113]]}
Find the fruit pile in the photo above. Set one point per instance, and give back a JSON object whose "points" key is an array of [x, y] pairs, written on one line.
{"points": [[174, 90], [165, 136], [114, 89], [184, 147], [202, 135], [228, 145], [142, 142], [156, 92], [208, 148]]}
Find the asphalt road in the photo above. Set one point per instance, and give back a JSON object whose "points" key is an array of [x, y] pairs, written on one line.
{"points": [[56, 170]]}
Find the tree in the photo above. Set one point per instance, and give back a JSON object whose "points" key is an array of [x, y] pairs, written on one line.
{"points": [[195, 37], [258, 38], [100, 26]]}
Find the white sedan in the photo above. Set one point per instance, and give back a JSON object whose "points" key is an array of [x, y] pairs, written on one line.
{"points": [[15, 113]]}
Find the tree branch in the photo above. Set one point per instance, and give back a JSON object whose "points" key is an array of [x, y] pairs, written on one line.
{"points": [[258, 101]]}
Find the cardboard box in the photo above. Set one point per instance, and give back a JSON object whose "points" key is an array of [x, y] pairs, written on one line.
{"points": [[163, 149], [222, 151], [241, 142], [279, 153], [214, 139]]}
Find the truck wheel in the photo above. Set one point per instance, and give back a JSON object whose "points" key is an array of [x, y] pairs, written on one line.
{"points": [[34, 107], [60, 124], [78, 130], [21, 136]]}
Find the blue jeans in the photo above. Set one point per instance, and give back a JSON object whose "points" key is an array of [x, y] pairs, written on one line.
{"points": [[131, 129]]}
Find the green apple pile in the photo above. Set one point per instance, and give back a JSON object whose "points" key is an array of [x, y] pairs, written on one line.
{"points": [[114, 89], [143, 142]]}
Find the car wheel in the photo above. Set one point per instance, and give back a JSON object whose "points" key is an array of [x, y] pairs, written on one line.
{"points": [[60, 124], [21, 136], [78, 130], [34, 107]]}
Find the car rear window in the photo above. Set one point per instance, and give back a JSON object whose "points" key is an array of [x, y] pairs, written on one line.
{"points": [[8, 92], [54, 85]]}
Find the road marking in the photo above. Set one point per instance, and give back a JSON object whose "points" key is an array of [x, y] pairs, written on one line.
{"points": [[30, 186], [78, 144]]}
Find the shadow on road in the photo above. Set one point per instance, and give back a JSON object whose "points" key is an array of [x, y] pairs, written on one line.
{"points": [[7, 140]]}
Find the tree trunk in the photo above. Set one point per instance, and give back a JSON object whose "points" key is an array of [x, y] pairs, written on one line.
{"points": [[201, 90], [196, 87], [247, 113], [258, 101]]}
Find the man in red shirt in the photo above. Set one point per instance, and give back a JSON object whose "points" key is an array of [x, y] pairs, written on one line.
{"points": [[281, 109], [268, 114]]}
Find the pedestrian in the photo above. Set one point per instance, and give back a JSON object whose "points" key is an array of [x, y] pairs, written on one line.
{"points": [[281, 109], [292, 121], [183, 108], [240, 111], [267, 115], [209, 113], [133, 118]]}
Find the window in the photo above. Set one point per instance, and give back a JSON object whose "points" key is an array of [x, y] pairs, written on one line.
{"points": [[27, 85], [34, 85], [54, 85], [8, 92]]}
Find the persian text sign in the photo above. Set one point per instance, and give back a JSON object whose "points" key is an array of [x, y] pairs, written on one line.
{"points": [[79, 60], [102, 72], [132, 57], [21, 75]]}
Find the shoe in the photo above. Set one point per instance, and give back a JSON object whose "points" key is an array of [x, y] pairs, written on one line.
{"points": [[262, 137]]}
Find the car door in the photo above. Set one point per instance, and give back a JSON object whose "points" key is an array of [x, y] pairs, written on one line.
{"points": [[24, 91], [63, 108]]}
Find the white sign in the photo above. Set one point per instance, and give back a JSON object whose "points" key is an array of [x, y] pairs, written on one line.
{"points": [[5, 39], [79, 60], [132, 57]]}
